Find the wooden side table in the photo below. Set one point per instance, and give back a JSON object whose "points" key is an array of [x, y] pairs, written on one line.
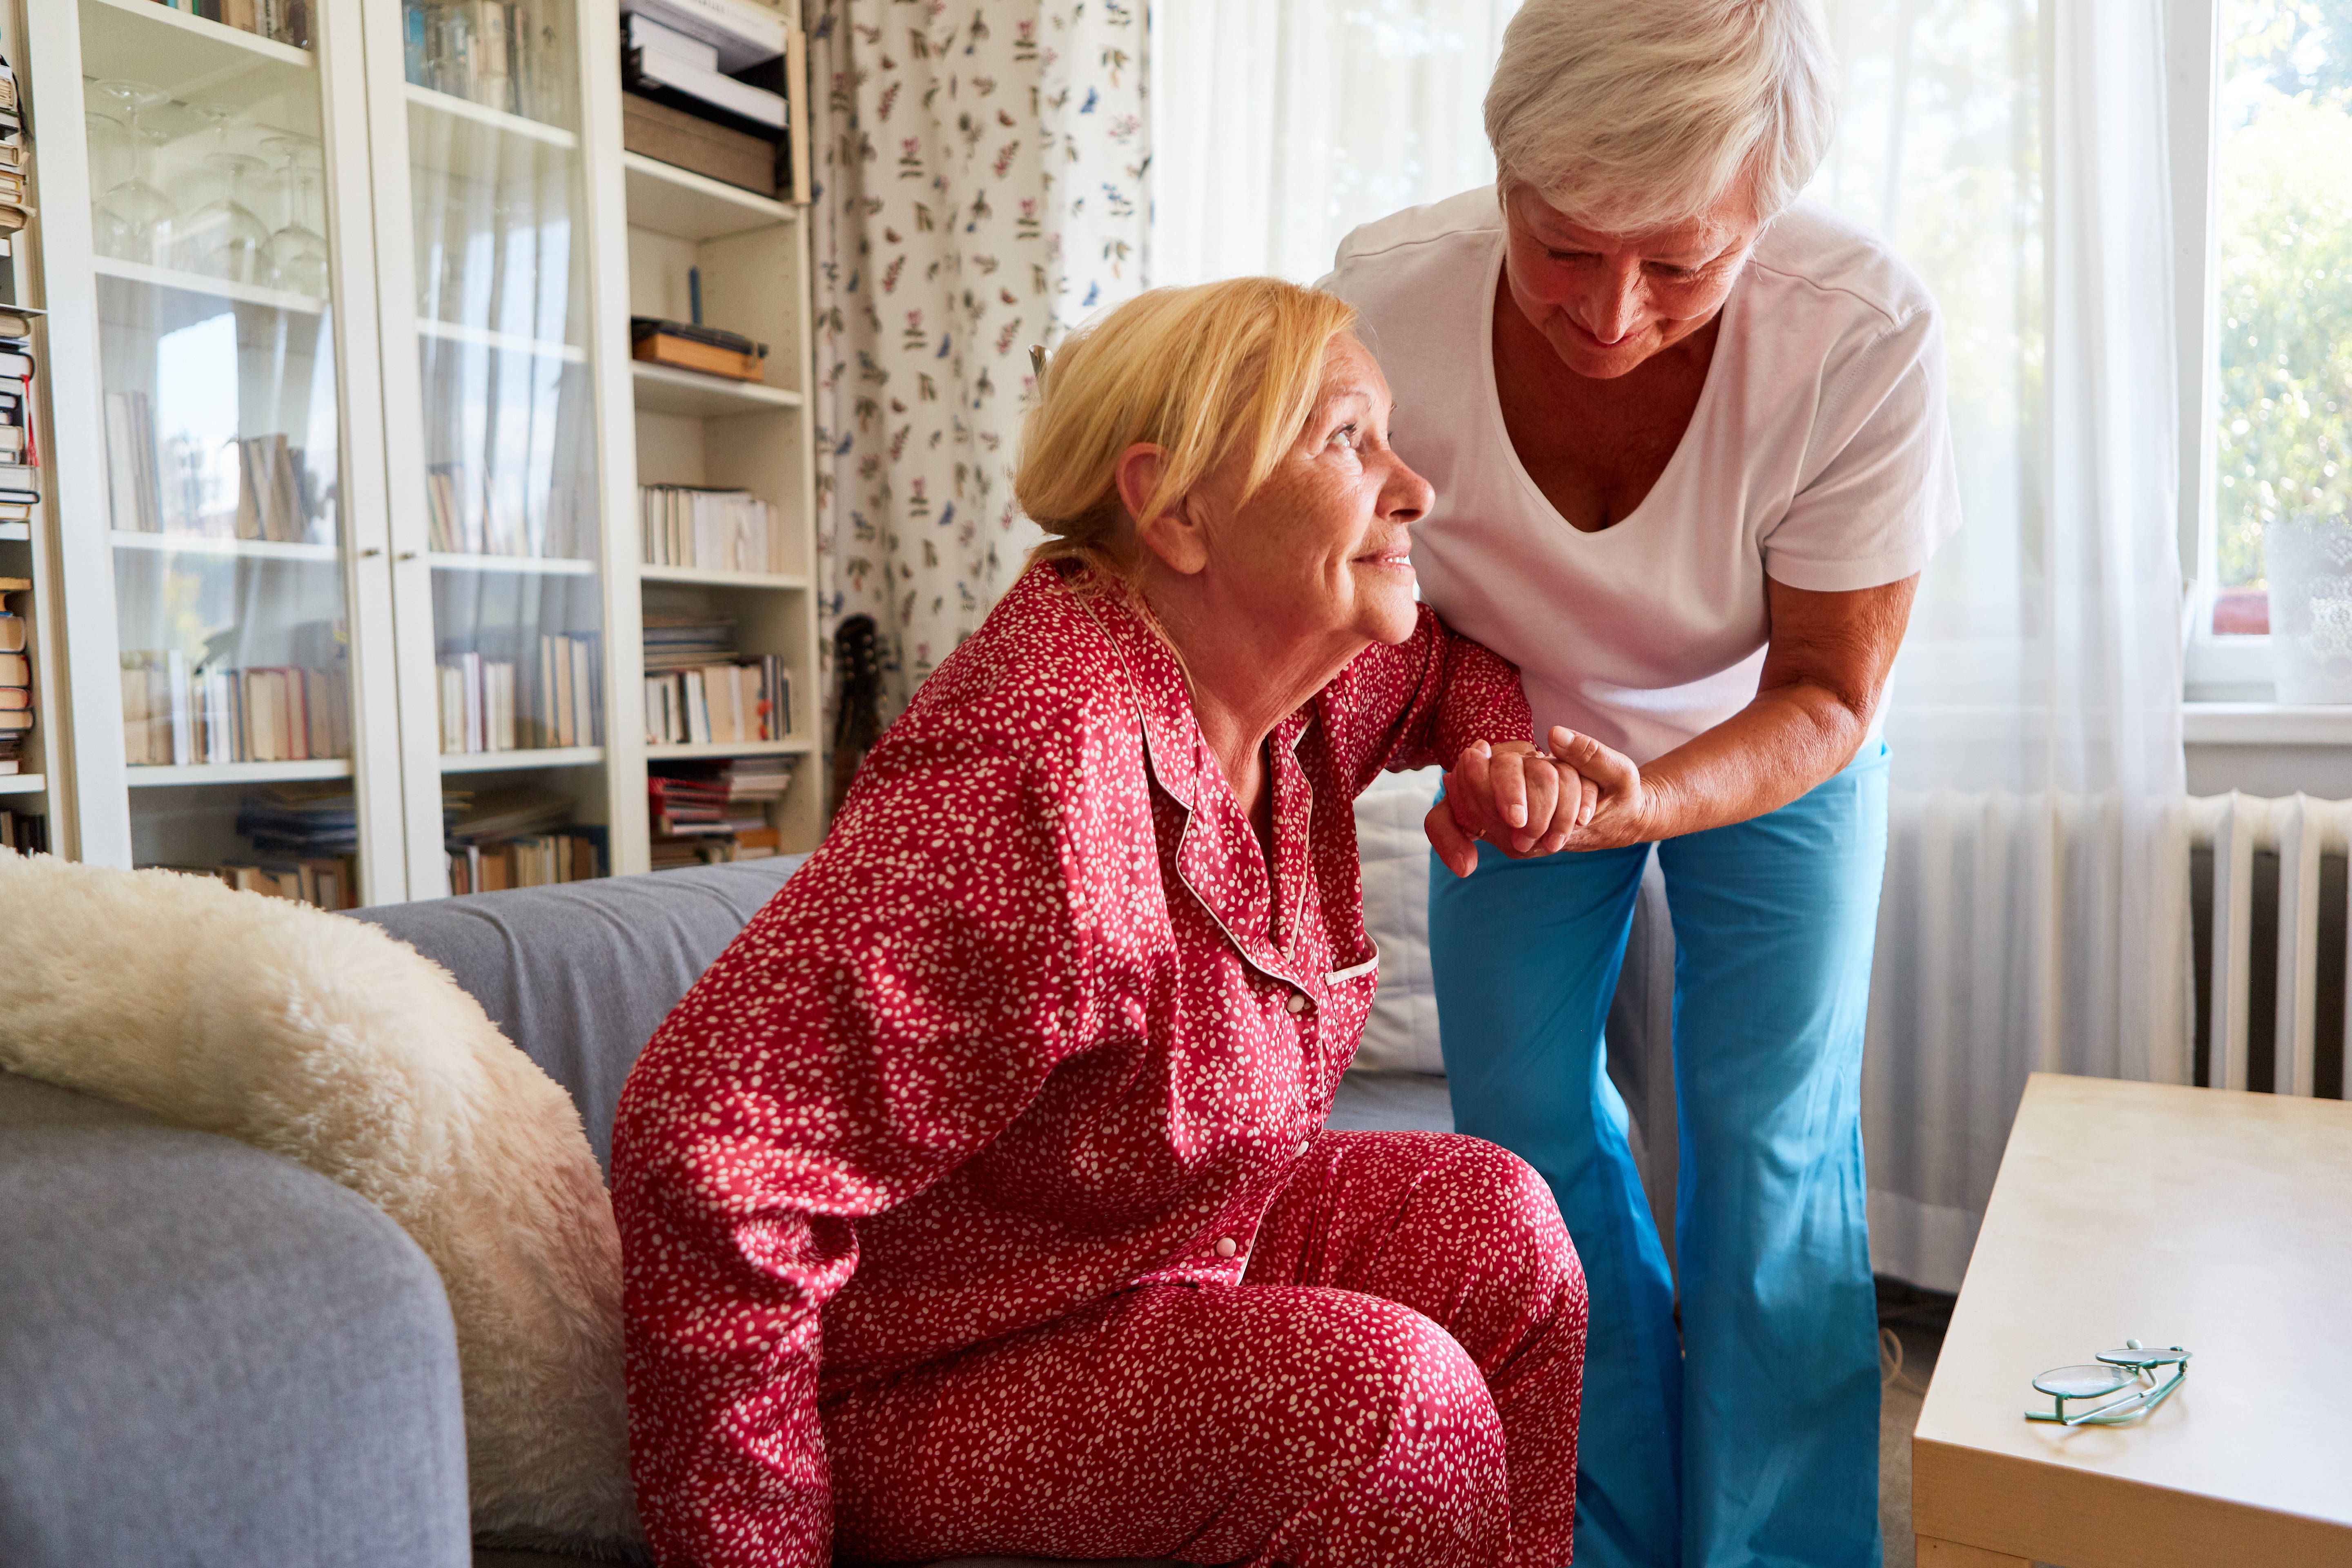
{"points": [[2200, 1218]]}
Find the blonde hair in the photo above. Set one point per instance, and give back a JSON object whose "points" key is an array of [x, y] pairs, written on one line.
{"points": [[1202, 372], [1635, 114]]}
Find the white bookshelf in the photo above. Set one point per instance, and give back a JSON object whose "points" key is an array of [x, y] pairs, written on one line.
{"points": [[458, 372], [751, 256]]}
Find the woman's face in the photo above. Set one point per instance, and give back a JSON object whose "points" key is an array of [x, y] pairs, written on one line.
{"points": [[1605, 302], [1320, 553]]}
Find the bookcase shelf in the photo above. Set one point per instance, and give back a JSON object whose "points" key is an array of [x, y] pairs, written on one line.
{"points": [[664, 389], [203, 283], [686, 206], [175, 47], [521, 758], [155, 775], [505, 342], [718, 578], [788, 747], [488, 122], [206, 544], [456, 369], [536, 565]]}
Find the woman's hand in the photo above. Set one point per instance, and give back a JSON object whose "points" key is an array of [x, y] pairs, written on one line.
{"points": [[1583, 796]]}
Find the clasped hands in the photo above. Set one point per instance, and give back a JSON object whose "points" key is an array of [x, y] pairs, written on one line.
{"points": [[1578, 796]]}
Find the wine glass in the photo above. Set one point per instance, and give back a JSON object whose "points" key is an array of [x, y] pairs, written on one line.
{"points": [[299, 251], [136, 221], [224, 237]]}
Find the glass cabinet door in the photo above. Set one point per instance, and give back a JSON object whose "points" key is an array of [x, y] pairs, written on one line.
{"points": [[496, 491], [226, 498]]}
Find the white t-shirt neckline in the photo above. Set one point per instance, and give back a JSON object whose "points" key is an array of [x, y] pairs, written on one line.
{"points": [[1499, 423]]}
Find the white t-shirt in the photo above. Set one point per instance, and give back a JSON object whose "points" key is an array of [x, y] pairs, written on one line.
{"points": [[1819, 454]]}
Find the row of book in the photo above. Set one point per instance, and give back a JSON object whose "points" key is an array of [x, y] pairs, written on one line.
{"points": [[16, 679], [327, 884], [176, 713], [253, 487], [706, 813], [284, 21], [468, 512], [713, 704], [729, 531], [504, 53], [20, 458], [504, 705], [518, 836]]}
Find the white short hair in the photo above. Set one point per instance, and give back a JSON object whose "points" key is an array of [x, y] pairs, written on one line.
{"points": [[1633, 114]]}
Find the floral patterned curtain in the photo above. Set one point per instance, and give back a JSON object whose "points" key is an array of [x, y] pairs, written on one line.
{"points": [[979, 174]]}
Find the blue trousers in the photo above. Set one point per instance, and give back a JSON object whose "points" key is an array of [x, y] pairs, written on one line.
{"points": [[1753, 1440]]}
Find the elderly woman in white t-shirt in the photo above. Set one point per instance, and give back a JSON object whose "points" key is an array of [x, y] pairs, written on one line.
{"points": [[1690, 454]]}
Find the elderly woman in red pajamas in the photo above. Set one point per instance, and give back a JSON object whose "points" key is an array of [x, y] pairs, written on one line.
{"points": [[978, 1199]]}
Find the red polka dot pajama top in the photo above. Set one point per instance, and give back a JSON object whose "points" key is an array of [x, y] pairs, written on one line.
{"points": [[978, 1198]]}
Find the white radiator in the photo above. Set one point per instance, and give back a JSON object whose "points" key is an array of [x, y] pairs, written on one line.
{"points": [[2263, 959]]}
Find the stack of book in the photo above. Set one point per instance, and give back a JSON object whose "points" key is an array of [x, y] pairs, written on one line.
{"points": [[503, 54], [326, 884], [258, 486], [700, 691], [16, 161], [15, 679], [519, 837], [720, 60], [174, 712], [702, 815], [306, 840], [728, 531], [492, 705], [20, 461], [283, 21]]}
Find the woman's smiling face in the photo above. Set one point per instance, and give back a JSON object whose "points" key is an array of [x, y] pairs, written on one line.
{"points": [[1607, 301], [1321, 551]]}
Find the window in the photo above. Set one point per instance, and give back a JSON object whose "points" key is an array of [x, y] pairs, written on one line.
{"points": [[2279, 375]]}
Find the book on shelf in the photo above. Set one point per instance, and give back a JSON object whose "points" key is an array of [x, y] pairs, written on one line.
{"points": [[738, 35], [490, 704], [706, 811], [521, 837], [670, 68], [465, 514], [654, 129], [175, 487], [15, 679], [177, 713], [745, 699], [721, 530], [506, 55], [280, 21]]}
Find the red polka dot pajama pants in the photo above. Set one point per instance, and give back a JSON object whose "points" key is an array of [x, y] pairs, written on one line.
{"points": [[1394, 1384]]}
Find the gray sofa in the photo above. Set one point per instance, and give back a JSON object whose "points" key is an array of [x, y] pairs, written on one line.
{"points": [[209, 1355]]}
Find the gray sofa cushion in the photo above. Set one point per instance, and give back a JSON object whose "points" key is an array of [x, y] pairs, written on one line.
{"points": [[580, 975], [209, 1355]]}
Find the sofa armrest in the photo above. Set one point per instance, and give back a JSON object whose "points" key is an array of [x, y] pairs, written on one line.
{"points": [[212, 1356]]}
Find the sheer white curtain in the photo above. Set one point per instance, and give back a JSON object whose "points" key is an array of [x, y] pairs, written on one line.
{"points": [[2013, 151], [1279, 125], [2036, 907]]}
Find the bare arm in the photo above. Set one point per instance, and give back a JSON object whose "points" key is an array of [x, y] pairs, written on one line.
{"points": [[1826, 670]]}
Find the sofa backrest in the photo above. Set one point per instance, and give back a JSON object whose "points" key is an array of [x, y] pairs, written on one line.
{"points": [[580, 975]]}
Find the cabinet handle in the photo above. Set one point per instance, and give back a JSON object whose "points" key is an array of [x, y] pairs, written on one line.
{"points": [[409, 555], [372, 552]]}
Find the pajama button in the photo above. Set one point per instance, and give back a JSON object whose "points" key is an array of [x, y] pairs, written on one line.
{"points": [[1298, 1004], [1227, 1246]]}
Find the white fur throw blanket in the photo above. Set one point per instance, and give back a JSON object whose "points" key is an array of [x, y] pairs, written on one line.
{"points": [[323, 1040]]}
